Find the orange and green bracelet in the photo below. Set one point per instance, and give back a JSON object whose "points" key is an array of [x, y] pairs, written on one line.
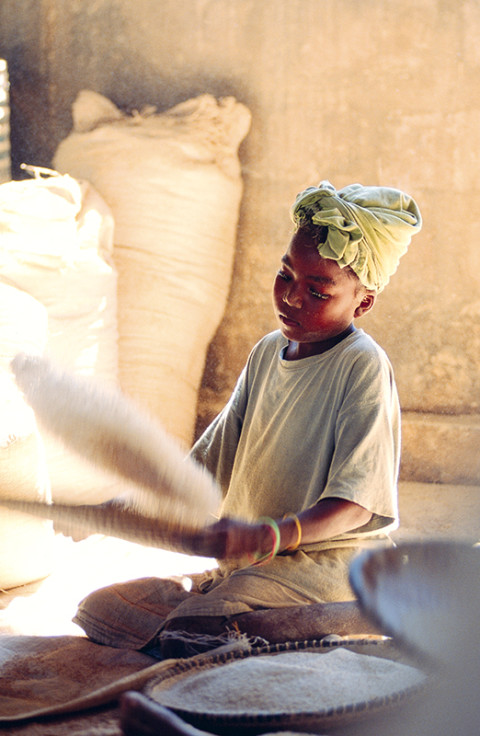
{"points": [[275, 532]]}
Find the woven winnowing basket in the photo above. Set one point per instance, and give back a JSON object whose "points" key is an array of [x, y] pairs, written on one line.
{"points": [[272, 717]]}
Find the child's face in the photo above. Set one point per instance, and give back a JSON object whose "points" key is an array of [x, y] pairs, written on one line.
{"points": [[314, 299]]}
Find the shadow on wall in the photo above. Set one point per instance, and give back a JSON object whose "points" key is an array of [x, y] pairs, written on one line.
{"points": [[37, 130]]}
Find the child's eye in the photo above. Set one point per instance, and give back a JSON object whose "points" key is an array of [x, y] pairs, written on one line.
{"points": [[318, 295], [283, 275]]}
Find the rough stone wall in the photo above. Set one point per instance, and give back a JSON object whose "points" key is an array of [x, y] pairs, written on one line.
{"points": [[373, 91]]}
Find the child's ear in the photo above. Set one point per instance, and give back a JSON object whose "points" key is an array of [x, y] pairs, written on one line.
{"points": [[368, 300]]}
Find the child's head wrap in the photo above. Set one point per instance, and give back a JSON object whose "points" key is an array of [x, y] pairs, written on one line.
{"points": [[368, 228]]}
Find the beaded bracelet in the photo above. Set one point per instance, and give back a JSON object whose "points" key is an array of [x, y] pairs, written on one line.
{"points": [[299, 531], [275, 532]]}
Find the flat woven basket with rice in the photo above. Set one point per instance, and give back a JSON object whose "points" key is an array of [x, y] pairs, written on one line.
{"points": [[302, 686]]}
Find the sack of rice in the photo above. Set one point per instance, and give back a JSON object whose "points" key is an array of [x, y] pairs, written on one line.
{"points": [[56, 243], [26, 543], [173, 183]]}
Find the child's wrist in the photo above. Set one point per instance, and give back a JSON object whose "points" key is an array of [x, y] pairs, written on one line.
{"points": [[294, 532], [283, 535], [274, 534]]}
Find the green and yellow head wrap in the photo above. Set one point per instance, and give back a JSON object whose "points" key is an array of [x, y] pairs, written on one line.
{"points": [[368, 228]]}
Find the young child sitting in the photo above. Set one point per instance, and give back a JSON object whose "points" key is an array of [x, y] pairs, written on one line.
{"points": [[307, 449]]}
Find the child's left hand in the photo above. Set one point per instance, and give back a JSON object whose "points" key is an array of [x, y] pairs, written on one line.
{"points": [[231, 538]]}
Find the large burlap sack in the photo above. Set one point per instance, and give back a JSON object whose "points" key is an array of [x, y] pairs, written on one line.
{"points": [[56, 243], [26, 543], [173, 182]]}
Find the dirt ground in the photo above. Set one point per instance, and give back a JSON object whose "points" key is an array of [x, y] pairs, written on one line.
{"points": [[430, 510]]}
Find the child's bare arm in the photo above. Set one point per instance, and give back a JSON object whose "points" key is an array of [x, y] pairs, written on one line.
{"points": [[328, 518]]}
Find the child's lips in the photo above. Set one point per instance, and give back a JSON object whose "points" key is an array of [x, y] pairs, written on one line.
{"points": [[288, 321]]}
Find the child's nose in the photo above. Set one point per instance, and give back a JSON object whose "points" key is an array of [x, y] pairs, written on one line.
{"points": [[292, 297]]}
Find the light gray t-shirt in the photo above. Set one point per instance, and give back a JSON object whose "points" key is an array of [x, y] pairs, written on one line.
{"points": [[297, 431]]}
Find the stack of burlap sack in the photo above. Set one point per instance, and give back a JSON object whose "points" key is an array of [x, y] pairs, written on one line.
{"points": [[116, 265]]}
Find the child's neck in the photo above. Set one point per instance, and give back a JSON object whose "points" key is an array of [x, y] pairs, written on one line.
{"points": [[299, 350]]}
